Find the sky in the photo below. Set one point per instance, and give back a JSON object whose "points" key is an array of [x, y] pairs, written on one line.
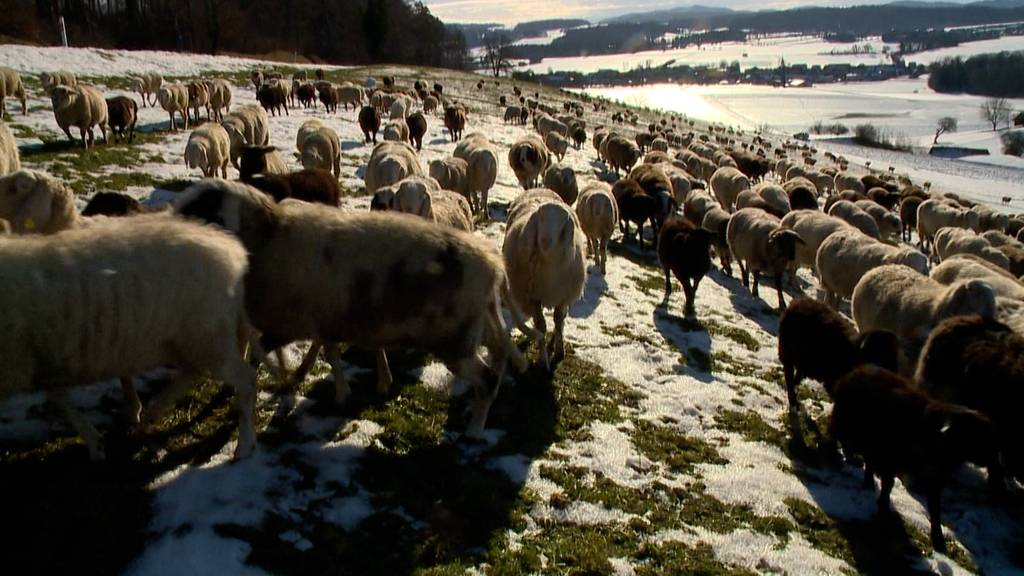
{"points": [[513, 11]]}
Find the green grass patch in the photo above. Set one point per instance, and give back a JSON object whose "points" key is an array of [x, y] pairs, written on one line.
{"points": [[678, 558], [649, 284], [679, 452], [751, 426]]}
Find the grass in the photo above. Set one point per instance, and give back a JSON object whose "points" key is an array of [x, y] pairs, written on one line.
{"points": [[751, 426], [677, 451]]}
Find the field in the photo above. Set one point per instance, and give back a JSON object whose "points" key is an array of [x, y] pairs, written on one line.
{"points": [[657, 446]]}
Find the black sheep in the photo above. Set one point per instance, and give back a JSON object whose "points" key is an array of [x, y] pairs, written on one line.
{"points": [[686, 251], [417, 128], [369, 122], [112, 204], [310, 185], [635, 206]]}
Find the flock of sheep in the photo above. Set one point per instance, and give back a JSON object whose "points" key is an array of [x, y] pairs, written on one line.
{"points": [[922, 379]]}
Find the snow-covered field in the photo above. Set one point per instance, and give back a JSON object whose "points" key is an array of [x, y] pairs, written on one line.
{"points": [[658, 446], [1005, 43]]}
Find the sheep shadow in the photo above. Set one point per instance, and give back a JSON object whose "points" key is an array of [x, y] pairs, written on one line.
{"points": [[352, 144], [595, 287], [689, 336]]}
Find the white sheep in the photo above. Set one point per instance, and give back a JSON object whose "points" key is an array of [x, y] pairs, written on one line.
{"points": [[399, 108], [349, 93], [125, 297], [847, 255], [938, 213], [967, 266], [173, 99], [888, 223], [856, 217], [482, 161], [726, 184], [12, 86], [311, 277], [423, 197], [10, 161], [775, 196], [34, 202], [246, 125], [452, 174], [528, 158], [952, 240], [813, 227], [51, 80], [320, 148], [209, 149], [761, 244], [898, 299], [845, 181], [562, 180], [997, 238], [220, 98], [545, 257], [556, 144], [146, 85], [597, 213], [390, 162], [82, 107], [396, 131], [698, 203], [546, 124]]}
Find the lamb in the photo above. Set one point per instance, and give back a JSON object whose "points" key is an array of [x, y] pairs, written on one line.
{"points": [[557, 144], [396, 131], [847, 255], [686, 251], [11, 86], [856, 217], [620, 153], [176, 299], [978, 363], [482, 162], [417, 124], [349, 93], [897, 298], [423, 197], [761, 244], [247, 125], [173, 98], [528, 158], [436, 289], [545, 257], [33, 202], [272, 97], [220, 98], [10, 161], [951, 240], [82, 107], [260, 160], [452, 174], [51, 80], [813, 227], [562, 180], [968, 266], [209, 148], [455, 121], [321, 149], [597, 212], [313, 186], [122, 114], [908, 216], [888, 224], [369, 122], [112, 204], [727, 183], [198, 95], [390, 162], [934, 214], [716, 221]]}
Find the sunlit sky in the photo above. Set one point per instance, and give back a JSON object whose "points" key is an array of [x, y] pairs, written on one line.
{"points": [[513, 11]]}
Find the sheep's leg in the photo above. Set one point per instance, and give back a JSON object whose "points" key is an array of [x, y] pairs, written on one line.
{"points": [[84, 132], [384, 378], [778, 290], [174, 390], [604, 254], [558, 341], [934, 499], [668, 283], [745, 273], [307, 362], [474, 371], [540, 325], [67, 130], [690, 291], [243, 379], [132, 404], [790, 376], [93, 440], [869, 477], [757, 280], [483, 205], [341, 388], [884, 503]]}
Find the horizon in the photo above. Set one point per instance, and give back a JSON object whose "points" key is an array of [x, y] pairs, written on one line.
{"points": [[511, 13]]}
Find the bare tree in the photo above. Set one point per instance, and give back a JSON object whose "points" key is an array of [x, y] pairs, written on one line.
{"points": [[996, 111], [497, 50], [946, 124]]}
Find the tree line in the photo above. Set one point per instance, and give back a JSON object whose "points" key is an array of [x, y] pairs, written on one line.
{"points": [[1000, 75], [333, 31]]}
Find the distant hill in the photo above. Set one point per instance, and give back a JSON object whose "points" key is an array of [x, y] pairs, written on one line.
{"points": [[671, 14], [1004, 4], [477, 33], [540, 27]]}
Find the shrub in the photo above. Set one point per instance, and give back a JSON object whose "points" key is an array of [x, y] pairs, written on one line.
{"points": [[1013, 143], [875, 137], [820, 127]]}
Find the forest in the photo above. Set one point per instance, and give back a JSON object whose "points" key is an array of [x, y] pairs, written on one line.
{"points": [[331, 31], [1000, 75]]}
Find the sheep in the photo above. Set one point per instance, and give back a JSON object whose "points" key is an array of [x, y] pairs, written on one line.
{"points": [[1015, 256], [455, 121], [908, 216], [899, 299], [257, 79], [112, 204], [482, 161], [989, 219], [716, 221], [726, 184], [209, 148], [273, 96], [175, 298], [545, 257], [697, 204], [856, 217], [619, 152], [430, 104], [801, 198], [655, 184], [390, 162], [512, 114], [934, 214], [423, 197], [528, 158], [51, 80], [314, 186], [452, 174], [977, 363], [306, 94], [321, 149], [260, 160], [760, 244], [328, 94], [82, 107], [146, 85], [600, 133], [845, 256], [417, 124], [579, 136], [968, 266], [33, 202], [546, 125], [198, 95], [11, 86], [369, 123], [562, 180], [686, 251], [884, 198], [349, 93], [10, 161], [436, 289], [951, 240], [557, 144], [888, 223], [635, 206], [220, 98], [396, 131], [775, 197], [122, 114], [173, 98], [813, 227], [845, 181], [247, 125], [597, 212], [997, 239], [898, 429], [819, 343]]}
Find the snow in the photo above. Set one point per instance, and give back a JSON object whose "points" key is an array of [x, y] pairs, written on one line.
{"points": [[1004, 43]]}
